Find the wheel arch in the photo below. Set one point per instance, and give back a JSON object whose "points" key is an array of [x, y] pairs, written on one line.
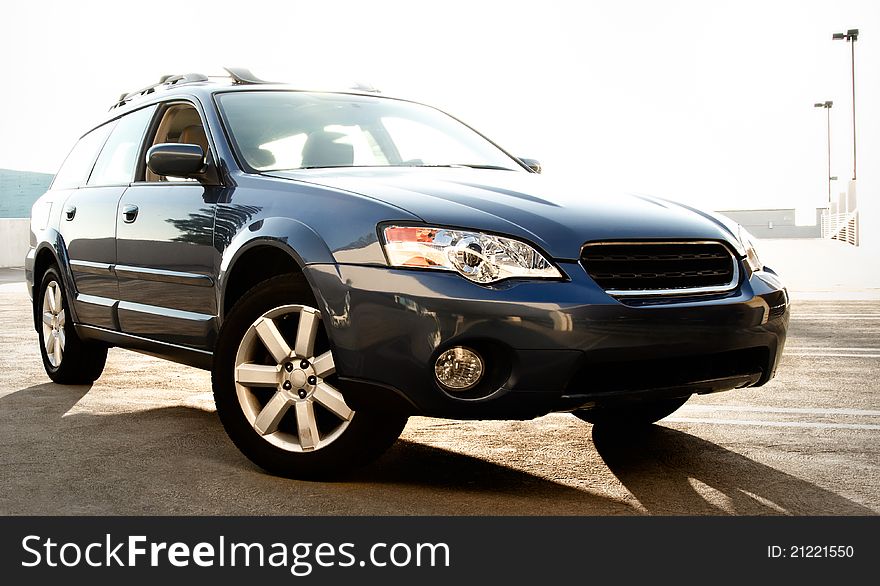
{"points": [[51, 251], [268, 248]]}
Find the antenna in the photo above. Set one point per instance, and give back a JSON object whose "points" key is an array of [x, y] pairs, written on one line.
{"points": [[361, 86], [240, 75]]}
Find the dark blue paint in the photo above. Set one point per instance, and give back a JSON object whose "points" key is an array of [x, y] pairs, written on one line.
{"points": [[387, 325]]}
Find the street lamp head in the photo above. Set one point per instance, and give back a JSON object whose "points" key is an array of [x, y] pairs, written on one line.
{"points": [[850, 35], [826, 104]]}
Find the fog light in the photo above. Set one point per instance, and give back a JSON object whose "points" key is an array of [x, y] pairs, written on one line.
{"points": [[459, 369]]}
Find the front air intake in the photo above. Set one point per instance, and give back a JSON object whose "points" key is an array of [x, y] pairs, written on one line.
{"points": [[661, 268]]}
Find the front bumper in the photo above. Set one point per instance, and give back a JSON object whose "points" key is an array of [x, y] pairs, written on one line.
{"points": [[550, 345]]}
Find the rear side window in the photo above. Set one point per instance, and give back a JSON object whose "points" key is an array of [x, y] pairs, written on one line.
{"points": [[78, 164], [118, 159]]}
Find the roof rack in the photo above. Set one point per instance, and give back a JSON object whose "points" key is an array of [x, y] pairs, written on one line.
{"points": [[165, 80], [239, 75]]}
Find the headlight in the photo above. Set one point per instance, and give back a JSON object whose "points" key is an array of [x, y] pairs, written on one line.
{"points": [[751, 254], [482, 258]]}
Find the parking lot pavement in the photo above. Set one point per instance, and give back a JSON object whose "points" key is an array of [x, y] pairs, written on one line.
{"points": [[144, 439]]}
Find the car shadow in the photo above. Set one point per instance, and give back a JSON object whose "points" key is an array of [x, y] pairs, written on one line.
{"points": [[663, 469], [484, 487], [59, 458]]}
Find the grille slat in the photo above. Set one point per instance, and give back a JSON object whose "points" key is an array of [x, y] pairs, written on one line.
{"points": [[672, 268]]}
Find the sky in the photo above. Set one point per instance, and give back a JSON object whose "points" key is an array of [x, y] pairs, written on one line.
{"points": [[710, 103]]}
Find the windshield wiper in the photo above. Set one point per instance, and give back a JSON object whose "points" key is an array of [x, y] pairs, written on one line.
{"points": [[322, 167], [495, 167], [452, 166]]}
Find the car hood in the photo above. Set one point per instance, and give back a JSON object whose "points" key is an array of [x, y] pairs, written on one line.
{"points": [[559, 217]]}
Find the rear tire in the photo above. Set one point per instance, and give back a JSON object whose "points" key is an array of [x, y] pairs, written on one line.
{"points": [[68, 360], [638, 415], [277, 394]]}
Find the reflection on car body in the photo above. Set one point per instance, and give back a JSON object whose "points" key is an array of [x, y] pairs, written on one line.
{"points": [[342, 260]]}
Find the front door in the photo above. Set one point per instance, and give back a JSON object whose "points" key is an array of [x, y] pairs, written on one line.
{"points": [[165, 255]]}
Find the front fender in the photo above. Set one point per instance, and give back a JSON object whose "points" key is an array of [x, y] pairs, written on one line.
{"points": [[287, 234]]}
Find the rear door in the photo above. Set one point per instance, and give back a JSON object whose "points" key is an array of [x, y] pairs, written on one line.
{"points": [[166, 260], [96, 181]]}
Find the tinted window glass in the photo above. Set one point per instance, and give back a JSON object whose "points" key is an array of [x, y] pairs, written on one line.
{"points": [[180, 123], [118, 158], [79, 162], [296, 130]]}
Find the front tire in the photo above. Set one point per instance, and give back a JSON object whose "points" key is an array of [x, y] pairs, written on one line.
{"points": [[68, 360], [638, 415], [277, 393]]}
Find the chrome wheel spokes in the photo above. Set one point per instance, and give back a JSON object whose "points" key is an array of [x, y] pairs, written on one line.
{"points": [[304, 412], [53, 324]]}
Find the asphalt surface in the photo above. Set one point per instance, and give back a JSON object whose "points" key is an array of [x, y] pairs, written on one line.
{"points": [[144, 439]]}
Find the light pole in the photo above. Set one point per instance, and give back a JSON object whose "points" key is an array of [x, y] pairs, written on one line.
{"points": [[851, 36], [827, 105]]}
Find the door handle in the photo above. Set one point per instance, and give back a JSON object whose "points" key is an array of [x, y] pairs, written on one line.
{"points": [[129, 213], [69, 212]]}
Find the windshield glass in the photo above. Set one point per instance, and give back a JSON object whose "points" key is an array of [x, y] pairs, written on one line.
{"points": [[275, 130]]}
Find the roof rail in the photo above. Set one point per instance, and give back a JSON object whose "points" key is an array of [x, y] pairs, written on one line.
{"points": [[165, 80]]}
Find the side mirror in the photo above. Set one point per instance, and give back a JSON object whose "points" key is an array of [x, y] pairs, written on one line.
{"points": [[532, 164], [176, 160]]}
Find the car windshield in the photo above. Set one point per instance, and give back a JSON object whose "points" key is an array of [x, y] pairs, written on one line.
{"points": [[282, 130]]}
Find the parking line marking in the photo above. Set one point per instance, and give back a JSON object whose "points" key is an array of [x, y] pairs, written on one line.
{"points": [[839, 348], [796, 410], [830, 354], [832, 316], [756, 423]]}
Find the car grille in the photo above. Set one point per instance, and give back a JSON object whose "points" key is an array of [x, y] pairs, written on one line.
{"points": [[660, 268]]}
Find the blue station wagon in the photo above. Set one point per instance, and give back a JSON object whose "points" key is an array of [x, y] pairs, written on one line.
{"points": [[343, 260]]}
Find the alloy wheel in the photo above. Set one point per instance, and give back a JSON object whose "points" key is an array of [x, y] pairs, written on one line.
{"points": [[53, 323], [283, 387]]}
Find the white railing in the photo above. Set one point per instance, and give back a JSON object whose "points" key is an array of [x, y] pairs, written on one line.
{"points": [[841, 226], [840, 221]]}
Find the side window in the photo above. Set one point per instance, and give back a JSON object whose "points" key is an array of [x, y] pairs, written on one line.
{"points": [[118, 158], [78, 164], [180, 123]]}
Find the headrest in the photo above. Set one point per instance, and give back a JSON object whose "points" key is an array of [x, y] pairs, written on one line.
{"points": [[259, 158], [322, 149], [194, 134]]}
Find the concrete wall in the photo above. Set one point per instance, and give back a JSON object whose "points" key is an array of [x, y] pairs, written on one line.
{"points": [[19, 190], [775, 223], [14, 236]]}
